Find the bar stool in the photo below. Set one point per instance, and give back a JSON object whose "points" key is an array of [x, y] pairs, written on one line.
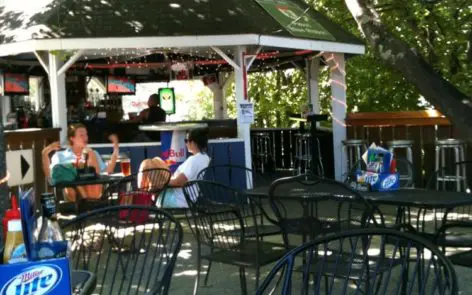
{"points": [[459, 174], [303, 152], [408, 146], [261, 150], [353, 148]]}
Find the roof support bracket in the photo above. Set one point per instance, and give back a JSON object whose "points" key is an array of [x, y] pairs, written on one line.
{"points": [[226, 57], [43, 60], [70, 62], [252, 58]]}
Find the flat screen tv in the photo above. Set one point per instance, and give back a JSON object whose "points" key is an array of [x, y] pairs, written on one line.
{"points": [[120, 85], [167, 99], [15, 84]]}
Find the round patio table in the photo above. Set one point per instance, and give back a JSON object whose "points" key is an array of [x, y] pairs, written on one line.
{"points": [[101, 179], [173, 150], [402, 197]]}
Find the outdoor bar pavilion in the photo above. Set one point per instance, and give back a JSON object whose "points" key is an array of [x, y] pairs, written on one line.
{"points": [[59, 34]]}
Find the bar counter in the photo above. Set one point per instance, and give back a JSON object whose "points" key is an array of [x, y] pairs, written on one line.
{"points": [[221, 151]]}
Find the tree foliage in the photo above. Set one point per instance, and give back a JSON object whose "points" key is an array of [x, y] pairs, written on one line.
{"points": [[441, 33]]}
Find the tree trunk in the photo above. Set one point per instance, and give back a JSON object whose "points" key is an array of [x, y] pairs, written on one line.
{"points": [[443, 95], [3, 173]]}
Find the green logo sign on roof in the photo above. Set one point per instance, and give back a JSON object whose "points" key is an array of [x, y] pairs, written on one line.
{"points": [[295, 20]]}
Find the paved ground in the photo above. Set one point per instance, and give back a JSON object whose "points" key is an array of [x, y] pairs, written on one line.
{"points": [[224, 279]]}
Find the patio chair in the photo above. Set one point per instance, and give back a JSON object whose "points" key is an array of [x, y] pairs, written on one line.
{"points": [[157, 181], [452, 226], [131, 249], [241, 178], [220, 218], [309, 206], [355, 266], [237, 177]]}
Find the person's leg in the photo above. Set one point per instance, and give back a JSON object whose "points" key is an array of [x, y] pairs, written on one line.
{"points": [[70, 194]]}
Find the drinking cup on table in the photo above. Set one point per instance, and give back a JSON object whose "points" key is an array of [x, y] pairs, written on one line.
{"points": [[125, 166]]}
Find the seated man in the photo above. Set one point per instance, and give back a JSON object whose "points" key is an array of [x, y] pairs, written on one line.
{"points": [[197, 144], [78, 140]]}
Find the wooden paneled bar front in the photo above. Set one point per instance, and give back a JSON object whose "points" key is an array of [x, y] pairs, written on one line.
{"points": [[423, 127], [35, 139]]}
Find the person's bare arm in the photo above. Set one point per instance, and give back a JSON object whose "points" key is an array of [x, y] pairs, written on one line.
{"points": [[178, 180], [116, 151], [92, 160], [45, 156]]}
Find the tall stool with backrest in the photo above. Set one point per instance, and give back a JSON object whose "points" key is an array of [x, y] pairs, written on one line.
{"points": [[354, 148], [261, 151], [458, 176], [303, 150], [408, 146]]}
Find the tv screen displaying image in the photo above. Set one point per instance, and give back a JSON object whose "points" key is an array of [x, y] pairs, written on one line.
{"points": [[15, 84], [167, 99], [120, 85]]}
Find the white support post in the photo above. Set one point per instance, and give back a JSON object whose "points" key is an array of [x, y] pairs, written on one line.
{"points": [[6, 108], [240, 77], [312, 76], [336, 63], [218, 99], [224, 86], [58, 96], [57, 81]]}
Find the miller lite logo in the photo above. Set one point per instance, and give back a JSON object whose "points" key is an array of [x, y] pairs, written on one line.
{"points": [[389, 181], [37, 280]]}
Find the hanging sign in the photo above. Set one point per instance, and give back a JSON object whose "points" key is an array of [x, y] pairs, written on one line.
{"points": [[21, 167], [246, 112], [295, 19], [167, 100]]}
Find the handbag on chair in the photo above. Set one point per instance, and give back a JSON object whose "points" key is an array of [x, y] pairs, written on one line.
{"points": [[135, 198]]}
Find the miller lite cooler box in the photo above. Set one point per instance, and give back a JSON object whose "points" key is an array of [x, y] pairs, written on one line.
{"points": [[35, 276], [50, 276], [379, 181]]}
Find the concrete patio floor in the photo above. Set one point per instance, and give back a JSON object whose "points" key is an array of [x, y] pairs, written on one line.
{"points": [[224, 279]]}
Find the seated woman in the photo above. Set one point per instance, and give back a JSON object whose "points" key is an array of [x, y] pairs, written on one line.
{"points": [[197, 144], [78, 140]]}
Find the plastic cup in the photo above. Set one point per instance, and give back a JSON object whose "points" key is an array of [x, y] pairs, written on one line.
{"points": [[125, 167]]}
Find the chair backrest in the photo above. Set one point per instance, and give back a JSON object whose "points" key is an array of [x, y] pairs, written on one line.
{"points": [[219, 213], [444, 179], [305, 197], [237, 177], [151, 180], [128, 254], [365, 261]]}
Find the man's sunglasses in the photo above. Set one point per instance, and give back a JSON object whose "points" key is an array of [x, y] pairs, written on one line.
{"points": [[186, 140]]}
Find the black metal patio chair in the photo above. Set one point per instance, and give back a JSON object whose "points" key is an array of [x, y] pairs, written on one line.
{"points": [[241, 178], [353, 258], [220, 218], [452, 226], [156, 181], [309, 206], [131, 249]]}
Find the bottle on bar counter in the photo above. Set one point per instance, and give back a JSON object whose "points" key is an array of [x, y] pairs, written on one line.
{"points": [[48, 229]]}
